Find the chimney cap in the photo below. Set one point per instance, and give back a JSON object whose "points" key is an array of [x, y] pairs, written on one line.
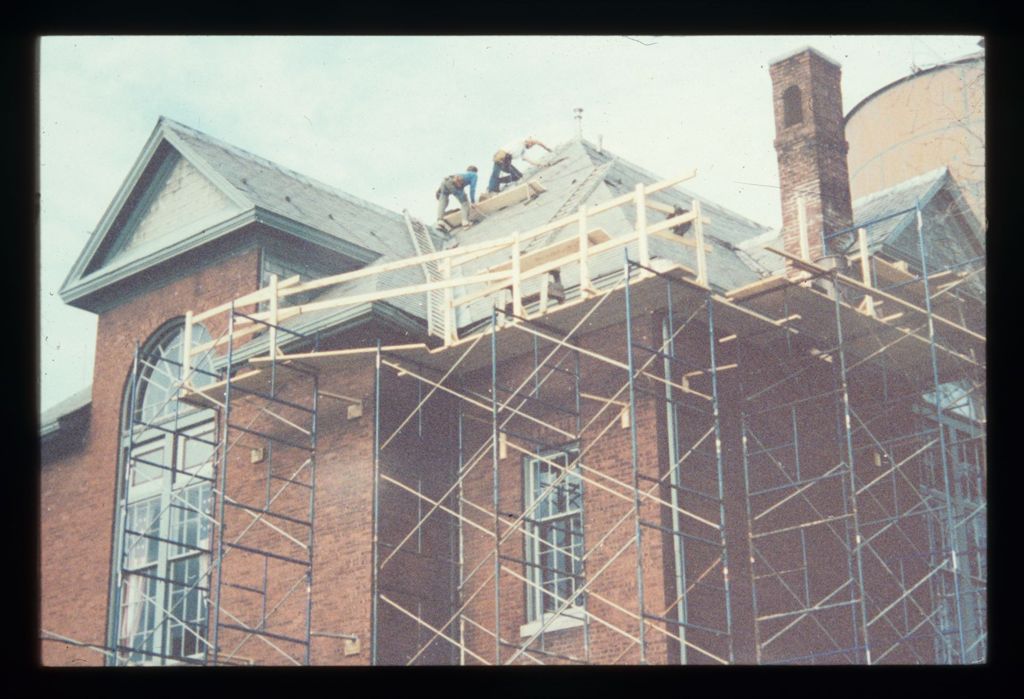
{"points": [[800, 50]]}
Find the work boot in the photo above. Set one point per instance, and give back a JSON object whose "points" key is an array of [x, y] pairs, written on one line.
{"points": [[443, 226]]}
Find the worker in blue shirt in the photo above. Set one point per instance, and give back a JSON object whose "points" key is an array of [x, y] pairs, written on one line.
{"points": [[453, 185]]}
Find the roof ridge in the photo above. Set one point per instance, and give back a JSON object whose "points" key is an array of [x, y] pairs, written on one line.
{"points": [[294, 174]]}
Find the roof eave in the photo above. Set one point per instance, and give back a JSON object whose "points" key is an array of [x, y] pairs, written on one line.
{"points": [[78, 292], [314, 235]]}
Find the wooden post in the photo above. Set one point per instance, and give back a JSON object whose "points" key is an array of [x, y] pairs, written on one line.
{"points": [[517, 290], [698, 230], [865, 269], [186, 350], [585, 287], [641, 227], [273, 315], [801, 217]]}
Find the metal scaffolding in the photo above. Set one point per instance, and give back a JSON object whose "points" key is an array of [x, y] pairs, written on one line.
{"points": [[687, 494], [857, 433], [225, 600], [860, 476], [268, 531]]}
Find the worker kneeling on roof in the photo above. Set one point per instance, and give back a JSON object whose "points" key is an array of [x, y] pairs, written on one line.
{"points": [[453, 186], [503, 162]]}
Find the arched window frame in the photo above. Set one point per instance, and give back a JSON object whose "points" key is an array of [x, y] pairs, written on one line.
{"points": [[162, 534]]}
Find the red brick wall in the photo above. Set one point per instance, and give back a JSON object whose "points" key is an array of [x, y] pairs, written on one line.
{"points": [[416, 573], [77, 493], [342, 519]]}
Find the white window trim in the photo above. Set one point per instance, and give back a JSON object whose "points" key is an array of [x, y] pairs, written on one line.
{"points": [[571, 618], [568, 618]]}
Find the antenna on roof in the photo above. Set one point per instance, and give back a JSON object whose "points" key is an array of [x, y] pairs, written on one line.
{"points": [[578, 111]]}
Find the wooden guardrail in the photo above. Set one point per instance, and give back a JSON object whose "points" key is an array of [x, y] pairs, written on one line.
{"points": [[500, 280]]}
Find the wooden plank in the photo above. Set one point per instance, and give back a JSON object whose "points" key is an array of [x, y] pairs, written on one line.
{"points": [[862, 241], [658, 206], [584, 243], [463, 254], [343, 301], [186, 342], [625, 198], [223, 339], [895, 280], [517, 271], [273, 320], [213, 394], [760, 286], [895, 299], [250, 298], [641, 227], [660, 229], [569, 246], [501, 200], [356, 351], [864, 337]]}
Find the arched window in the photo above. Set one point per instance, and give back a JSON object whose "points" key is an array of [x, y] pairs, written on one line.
{"points": [[162, 545], [792, 109]]}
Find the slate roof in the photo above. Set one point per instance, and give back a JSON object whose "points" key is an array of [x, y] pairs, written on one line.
{"points": [[260, 190], [578, 173], [298, 197], [49, 421], [952, 234], [900, 197]]}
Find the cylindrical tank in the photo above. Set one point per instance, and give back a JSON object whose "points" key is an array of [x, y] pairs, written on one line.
{"points": [[932, 118]]}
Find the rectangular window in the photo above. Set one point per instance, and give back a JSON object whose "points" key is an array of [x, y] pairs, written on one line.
{"points": [[554, 536]]}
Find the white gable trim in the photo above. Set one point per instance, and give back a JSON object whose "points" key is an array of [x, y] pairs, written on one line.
{"points": [[160, 134], [95, 281]]}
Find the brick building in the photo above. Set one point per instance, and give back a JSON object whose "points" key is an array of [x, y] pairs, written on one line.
{"points": [[608, 423]]}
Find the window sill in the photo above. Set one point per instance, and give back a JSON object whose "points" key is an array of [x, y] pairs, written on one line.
{"points": [[569, 619]]}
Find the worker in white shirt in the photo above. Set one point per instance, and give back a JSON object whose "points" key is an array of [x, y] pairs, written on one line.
{"points": [[503, 162]]}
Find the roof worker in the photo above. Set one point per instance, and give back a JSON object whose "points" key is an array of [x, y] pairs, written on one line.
{"points": [[503, 162], [453, 185]]}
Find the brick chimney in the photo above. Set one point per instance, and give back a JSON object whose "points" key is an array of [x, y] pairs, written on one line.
{"points": [[811, 146]]}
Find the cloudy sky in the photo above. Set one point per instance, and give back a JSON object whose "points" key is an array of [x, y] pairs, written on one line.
{"points": [[385, 118]]}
